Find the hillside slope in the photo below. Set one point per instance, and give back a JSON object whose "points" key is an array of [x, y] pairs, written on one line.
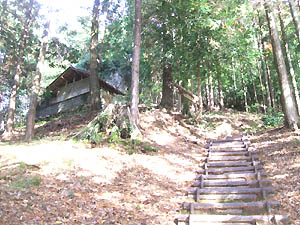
{"points": [[55, 180]]}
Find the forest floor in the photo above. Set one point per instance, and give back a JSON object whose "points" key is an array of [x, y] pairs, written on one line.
{"points": [[55, 180]]}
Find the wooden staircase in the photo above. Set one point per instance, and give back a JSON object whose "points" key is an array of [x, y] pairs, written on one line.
{"points": [[230, 188]]}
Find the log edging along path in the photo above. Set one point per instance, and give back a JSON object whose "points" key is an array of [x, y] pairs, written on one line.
{"points": [[231, 188]]}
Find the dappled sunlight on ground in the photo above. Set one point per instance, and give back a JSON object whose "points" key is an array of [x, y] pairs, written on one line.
{"points": [[279, 151], [107, 185]]}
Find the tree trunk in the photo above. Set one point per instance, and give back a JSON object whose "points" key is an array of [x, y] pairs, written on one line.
{"points": [[94, 64], [295, 15], [167, 88], [289, 105], [200, 92], [261, 87], [271, 87], [264, 64], [289, 60], [135, 70], [245, 91], [14, 89], [207, 94], [36, 88], [260, 44], [179, 107], [211, 92], [254, 89], [221, 94]]}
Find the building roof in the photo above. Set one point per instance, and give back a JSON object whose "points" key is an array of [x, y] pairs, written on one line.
{"points": [[73, 74]]}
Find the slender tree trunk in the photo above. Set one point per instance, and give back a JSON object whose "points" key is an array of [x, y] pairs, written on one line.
{"points": [[134, 111], [211, 92], [167, 88], [295, 15], [289, 60], [179, 107], [262, 88], [221, 94], [254, 89], [271, 87], [200, 101], [207, 93], [36, 88], [264, 64], [200, 92], [245, 91], [261, 47], [289, 105], [14, 89], [94, 65]]}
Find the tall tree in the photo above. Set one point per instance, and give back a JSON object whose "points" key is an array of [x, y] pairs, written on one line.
{"points": [[134, 111], [289, 59], [167, 100], [94, 64], [289, 106], [18, 70], [36, 87], [295, 15]]}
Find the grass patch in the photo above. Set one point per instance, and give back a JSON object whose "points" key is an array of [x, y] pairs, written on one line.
{"points": [[25, 182]]}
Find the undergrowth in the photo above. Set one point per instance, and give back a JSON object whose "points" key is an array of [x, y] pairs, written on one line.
{"points": [[273, 118]]}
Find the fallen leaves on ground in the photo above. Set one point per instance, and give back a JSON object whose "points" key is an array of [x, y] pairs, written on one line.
{"points": [[83, 185]]}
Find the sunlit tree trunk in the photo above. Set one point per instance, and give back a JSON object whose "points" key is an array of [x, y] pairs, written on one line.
{"points": [[289, 60], [254, 89], [211, 91], [207, 93], [134, 111], [270, 83], [221, 94], [265, 70], [245, 91], [179, 106], [264, 87], [94, 64], [261, 86], [19, 64], [36, 88], [200, 101], [289, 106], [295, 15]]}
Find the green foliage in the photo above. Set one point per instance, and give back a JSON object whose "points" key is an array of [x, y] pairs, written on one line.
{"points": [[115, 135], [148, 148], [254, 108], [273, 118], [25, 182]]}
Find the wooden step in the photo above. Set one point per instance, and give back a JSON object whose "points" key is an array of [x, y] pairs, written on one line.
{"points": [[193, 219], [228, 145], [230, 169], [226, 149], [230, 205], [247, 176], [218, 183], [227, 164], [218, 223], [230, 158], [218, 197], [229, 153], [231, 139], [230, 190]]}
